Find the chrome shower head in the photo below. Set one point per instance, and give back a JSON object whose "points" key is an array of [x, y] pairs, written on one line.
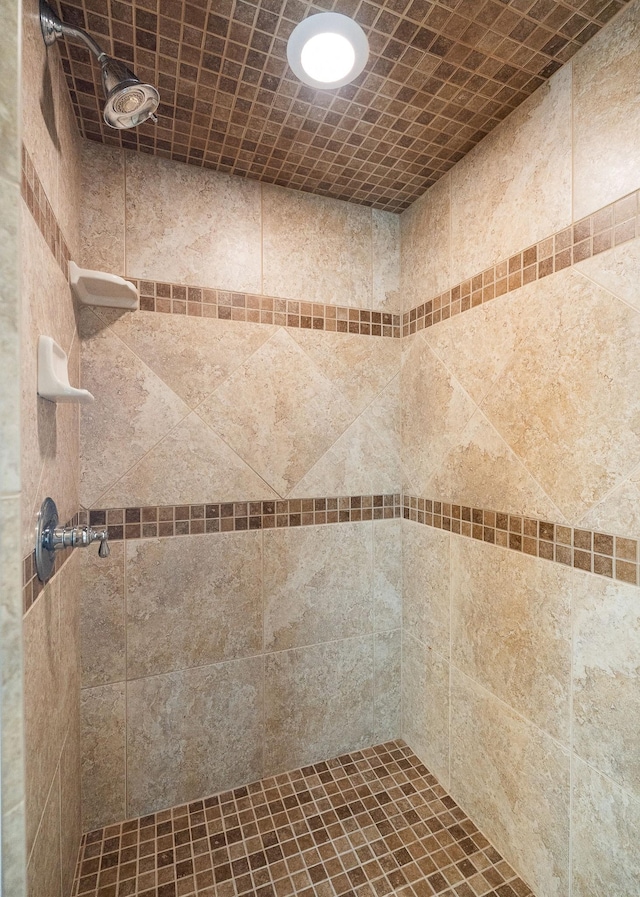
{"points": [[129, 102]]}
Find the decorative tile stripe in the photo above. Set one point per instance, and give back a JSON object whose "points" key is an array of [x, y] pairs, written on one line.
{"points": [[614, 224], [223, 517], [31, 585], [601, 553], [38, 204], [177, 299], [372, 822]]}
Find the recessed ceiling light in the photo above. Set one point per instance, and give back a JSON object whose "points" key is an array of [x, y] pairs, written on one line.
{"points": [[327, 50]]}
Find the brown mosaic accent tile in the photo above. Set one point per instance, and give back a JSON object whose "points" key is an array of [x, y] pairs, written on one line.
{"points": [[178, 299], [374, 822], [221, 517], [31, 585], [605, 555], [38, 204], [608, 227], [441, 75]]}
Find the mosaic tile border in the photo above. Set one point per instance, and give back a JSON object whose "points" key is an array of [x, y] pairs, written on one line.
{"points": [[31, 585], [34, 195], [226, 305], [610, 226], [371, 822], [615, 557], [225, 517]]}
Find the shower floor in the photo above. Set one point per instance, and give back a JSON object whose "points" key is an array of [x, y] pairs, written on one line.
{"points": [[370, 823]]}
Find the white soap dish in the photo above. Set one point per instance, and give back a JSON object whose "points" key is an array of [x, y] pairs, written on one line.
{"points": [[53, 375], [98, 288]]}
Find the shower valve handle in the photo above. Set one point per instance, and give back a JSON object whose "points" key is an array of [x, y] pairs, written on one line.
{"points": [[51, 538]]}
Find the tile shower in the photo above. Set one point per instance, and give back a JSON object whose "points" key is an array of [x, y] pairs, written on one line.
{"points": [[376, 469]]}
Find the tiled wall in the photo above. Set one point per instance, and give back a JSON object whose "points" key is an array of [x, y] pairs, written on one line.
{"points": [[12, 859], [246, 441], [49, 466], [521, 451]]}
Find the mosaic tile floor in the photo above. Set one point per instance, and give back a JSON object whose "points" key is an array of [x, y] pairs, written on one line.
{"points": [[366, 824]]}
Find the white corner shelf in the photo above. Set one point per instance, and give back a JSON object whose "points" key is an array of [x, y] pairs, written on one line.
{"points": [[98, 288], [53, 375]]}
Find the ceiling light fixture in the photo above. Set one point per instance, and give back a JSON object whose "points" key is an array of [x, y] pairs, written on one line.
{"points": [[327, 50]]}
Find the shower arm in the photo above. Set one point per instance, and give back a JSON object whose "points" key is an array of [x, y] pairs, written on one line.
{"points": [[53, 29]]}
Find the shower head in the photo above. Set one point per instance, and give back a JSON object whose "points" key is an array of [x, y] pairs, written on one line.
{"points": [[129, 102]]}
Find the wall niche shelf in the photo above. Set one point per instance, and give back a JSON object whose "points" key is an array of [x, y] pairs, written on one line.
{"points": [[53, 375], [99, 288]]}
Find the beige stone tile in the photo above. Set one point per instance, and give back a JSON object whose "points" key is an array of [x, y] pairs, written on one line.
{"points": [[190, 225], [513, 780], [70, 805], [191, 355], [387, 691], [580, 440], [483, 472], [605, 134], [192, 600], [425, 229], [103, 714], [385, 238], [307, 687], [102, 624], [14, 861], [208, 470], [278, 412], [514, 188], [511, 630], [315, 248], [11, 633], [435, 410], [9, 335], [617, 270], [606, 831], [606, 699], [618, 512], [366, 459], [425, 593], [44, 873], [102, 208], [425, 706], [10, 92], [39, 91], [359, 366], [133, 409], [70, 194], [478, 345], [387, 574], [193, 733], [69, 688], [317, 584], [42, 711]]}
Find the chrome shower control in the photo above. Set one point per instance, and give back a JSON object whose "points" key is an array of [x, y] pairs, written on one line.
{"points": [[51, 538]]}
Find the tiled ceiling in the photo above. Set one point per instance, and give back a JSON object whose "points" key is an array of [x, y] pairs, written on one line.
{"points": [[440, 76]]}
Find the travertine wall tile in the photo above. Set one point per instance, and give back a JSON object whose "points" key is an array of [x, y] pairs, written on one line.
{"points": [[385, 251], [425, 230], [605, 836], [387, 710], [10, 468], [606, 701], [606, 131], [191, 225], [44, 869], [316, 249], [387, 574], [192, 733], [317, 584], [514, 781], [103, 713], [426, 608], [303, 687], [511, 630], [617, 270], [103, 208], [192, 601], [102, 617], [514, 188], [425, 705]]}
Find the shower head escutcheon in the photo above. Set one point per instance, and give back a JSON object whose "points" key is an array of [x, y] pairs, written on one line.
{"points": [[129, 102]]}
